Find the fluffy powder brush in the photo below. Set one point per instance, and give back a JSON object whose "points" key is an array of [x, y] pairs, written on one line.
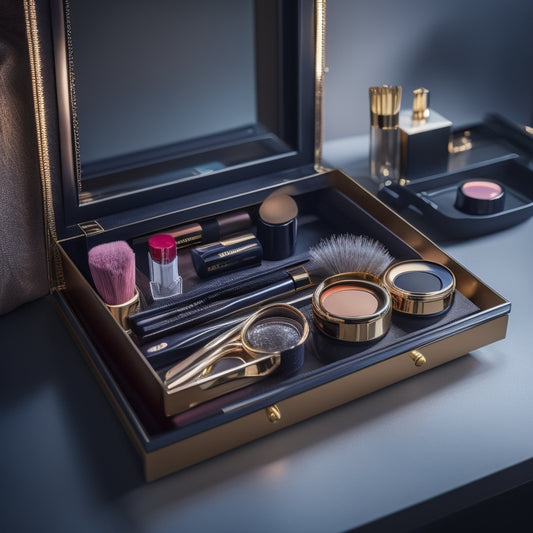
{"points": [[112, 267], [349, 253]]}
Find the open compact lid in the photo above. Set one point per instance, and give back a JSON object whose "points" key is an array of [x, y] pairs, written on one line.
{"points": [[162, 102]]}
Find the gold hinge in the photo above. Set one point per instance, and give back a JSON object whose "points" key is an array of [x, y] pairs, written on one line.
{"points": [[91, 228]]}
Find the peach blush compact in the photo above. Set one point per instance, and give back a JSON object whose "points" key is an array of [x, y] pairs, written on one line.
{"points": [[349, 308], [480, 197]]}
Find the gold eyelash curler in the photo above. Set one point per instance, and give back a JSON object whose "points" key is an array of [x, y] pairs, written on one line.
{"points": [[270, 341]]}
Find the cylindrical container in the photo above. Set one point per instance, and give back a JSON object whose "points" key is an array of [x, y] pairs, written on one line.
{"points": [[384, 157], [419, 287], [277, 226], [480, 197], [165, 280], [352, 307]]}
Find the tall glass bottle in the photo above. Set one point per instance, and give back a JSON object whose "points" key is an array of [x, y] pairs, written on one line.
{"points": [[385, 102]]}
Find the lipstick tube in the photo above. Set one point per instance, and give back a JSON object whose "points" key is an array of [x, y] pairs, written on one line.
{"points": [[165, 280]]}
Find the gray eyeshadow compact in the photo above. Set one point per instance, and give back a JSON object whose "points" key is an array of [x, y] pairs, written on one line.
{"points": [[419, 287]]}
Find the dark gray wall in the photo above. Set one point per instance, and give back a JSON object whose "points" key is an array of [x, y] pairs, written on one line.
{"points": [[475, 56]]}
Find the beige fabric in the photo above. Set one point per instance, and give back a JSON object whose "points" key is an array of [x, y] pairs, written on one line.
{"points": [[23, 271]]}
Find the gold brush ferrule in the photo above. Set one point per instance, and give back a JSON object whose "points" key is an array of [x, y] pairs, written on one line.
{"points": [[301, 278], [421, 104], [122, 312], [385, 104]]}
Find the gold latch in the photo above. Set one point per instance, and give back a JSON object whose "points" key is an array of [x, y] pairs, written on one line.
{"points": [[273, 414], [417, 357]]}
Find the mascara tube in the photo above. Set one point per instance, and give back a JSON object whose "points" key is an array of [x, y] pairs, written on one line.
{"points": [[165, 280]]}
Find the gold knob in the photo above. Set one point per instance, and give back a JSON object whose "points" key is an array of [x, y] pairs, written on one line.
{"points": [[273, 414], [417, 357]]}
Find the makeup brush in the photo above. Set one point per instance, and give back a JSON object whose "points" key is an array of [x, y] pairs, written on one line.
{"points": [[164, 351], [229, 287], [292, 280], [338, 254], [112, 267]]}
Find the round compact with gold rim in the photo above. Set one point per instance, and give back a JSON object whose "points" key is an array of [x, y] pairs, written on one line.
{"points": [[352, 307], [419, 287]]}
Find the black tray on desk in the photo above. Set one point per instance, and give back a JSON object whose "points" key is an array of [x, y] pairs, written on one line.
{"points": [[486, 151]]}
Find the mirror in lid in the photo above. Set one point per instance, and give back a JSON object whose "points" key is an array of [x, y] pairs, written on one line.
{"points": [[162, 100]]}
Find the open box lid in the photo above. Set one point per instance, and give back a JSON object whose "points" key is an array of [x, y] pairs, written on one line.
{"points": [[255, 69]]}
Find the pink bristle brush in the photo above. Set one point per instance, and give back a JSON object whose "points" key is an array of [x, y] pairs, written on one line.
{"points": [[112, 267]]}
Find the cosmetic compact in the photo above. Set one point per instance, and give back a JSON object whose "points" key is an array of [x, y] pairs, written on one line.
{"points": [[351, 307], [420, 288], [225, 141], [480, 197]]}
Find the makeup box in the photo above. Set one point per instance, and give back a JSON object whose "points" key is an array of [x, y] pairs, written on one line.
{"points": [[211, 174]]}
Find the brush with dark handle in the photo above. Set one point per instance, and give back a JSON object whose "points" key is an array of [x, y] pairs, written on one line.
{"points": [[292, 281], [195, 303], [198, 298], [167, 350]]}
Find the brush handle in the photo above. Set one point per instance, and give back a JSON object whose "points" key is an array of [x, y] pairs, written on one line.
{"points": [[195, 317], [226, 289], [198, 302], [173, 347]]}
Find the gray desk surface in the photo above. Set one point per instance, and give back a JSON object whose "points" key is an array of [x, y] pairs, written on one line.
{"points": [[67, 465]]}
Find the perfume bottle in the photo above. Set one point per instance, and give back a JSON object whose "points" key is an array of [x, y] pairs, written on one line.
{"points": [[424, 139], [384, 161]]}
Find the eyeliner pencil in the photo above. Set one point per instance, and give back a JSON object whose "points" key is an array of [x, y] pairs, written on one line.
{"points": [[292, 281], [197, 300]]}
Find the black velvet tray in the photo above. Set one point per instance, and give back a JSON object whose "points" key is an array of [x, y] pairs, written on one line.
{"points": [[321, 213]]}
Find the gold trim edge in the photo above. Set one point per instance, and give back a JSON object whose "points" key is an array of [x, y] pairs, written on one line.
{"points": [[54, 265], [320, 70]]}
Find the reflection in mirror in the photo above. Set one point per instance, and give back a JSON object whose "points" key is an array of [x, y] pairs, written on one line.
{"points": [[160, 92]]}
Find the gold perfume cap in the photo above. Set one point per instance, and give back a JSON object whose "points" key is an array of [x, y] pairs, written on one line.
{"points": [[420, 104], [385, 104]]}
